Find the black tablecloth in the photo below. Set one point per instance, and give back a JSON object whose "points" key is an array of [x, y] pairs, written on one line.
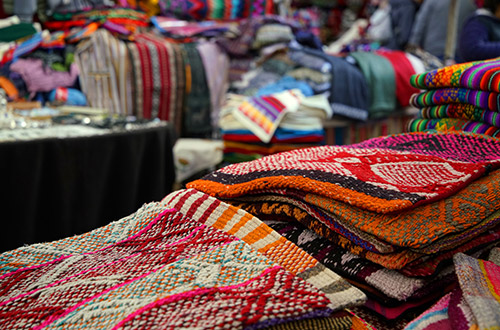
{"points": [[54, 188]]}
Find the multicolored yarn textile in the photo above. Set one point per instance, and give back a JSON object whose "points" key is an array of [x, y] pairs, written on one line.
{"points": [[461, 111], [36, 254], [378, 180], [474, 304], [263, 114], [420, 226], [452, 124], [261, 237], [482, 99], [173, 264], [391, 283], [480, 75], [461, 146], [217, 9]]}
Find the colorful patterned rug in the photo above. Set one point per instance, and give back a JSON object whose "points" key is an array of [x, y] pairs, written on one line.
{"points": [[172, 263], [378, 180], [480, 75], [474, 304]]}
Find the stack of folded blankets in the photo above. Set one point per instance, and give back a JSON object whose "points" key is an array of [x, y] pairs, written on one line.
{"points": [[257, 126], [388, 214], [461, 97]]}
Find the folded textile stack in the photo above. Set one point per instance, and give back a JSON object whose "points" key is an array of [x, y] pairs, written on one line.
{"points": [[387, 214], [461, 97], [253, 127], [201, 265]]}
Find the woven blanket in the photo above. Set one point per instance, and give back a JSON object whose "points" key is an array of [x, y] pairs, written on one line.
{"points": [[462, 146], [481, 75], [482, 99], [321, 222], [351, 266], [462, 111], [484, 232], [378, 180], [263, 114], [452, 124], [423, 225], [36, 254], [474, 304], [175, 263], [262, 238]]}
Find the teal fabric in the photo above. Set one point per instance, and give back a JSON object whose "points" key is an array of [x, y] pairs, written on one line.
{"points": [[381, 80], [16, 31]]}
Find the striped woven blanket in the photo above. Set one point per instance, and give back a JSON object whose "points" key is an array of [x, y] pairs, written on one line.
{"points": [[479, 75], [374, 179]]}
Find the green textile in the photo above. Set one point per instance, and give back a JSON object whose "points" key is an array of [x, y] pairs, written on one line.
{"points": [[381, 80], [16, 32]]}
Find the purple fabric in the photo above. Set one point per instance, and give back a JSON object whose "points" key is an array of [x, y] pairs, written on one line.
{"points": [[39, 78]]}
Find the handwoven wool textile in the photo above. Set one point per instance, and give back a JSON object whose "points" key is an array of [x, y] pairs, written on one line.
{"points": [[263, 114], [480, 75], [31, 255], [462, 146], [174, 263], [482, 99], [373, 179], [462, 111], [452, 124], [251, 230]]}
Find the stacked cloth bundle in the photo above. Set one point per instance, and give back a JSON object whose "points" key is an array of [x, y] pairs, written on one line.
{"points": [[257, 126], [190, 261], [461, 97], [391, 214]]}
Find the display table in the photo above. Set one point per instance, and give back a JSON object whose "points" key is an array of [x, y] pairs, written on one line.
{"points": [[58, 187]]}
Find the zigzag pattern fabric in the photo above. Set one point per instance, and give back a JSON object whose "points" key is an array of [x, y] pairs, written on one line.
{"points": [[169, 264], [462, 97]]}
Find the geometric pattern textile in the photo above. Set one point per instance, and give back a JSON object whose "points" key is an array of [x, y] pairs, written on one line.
{"points": [[426, 224], [461, 146], [378, 180], [262, 238], [473, 304], [462, 111], [175, 272], [482, 99], [452, 124], [480, 75]]}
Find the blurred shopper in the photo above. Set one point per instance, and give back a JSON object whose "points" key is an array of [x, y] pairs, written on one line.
{"points": [[480, 36]]}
